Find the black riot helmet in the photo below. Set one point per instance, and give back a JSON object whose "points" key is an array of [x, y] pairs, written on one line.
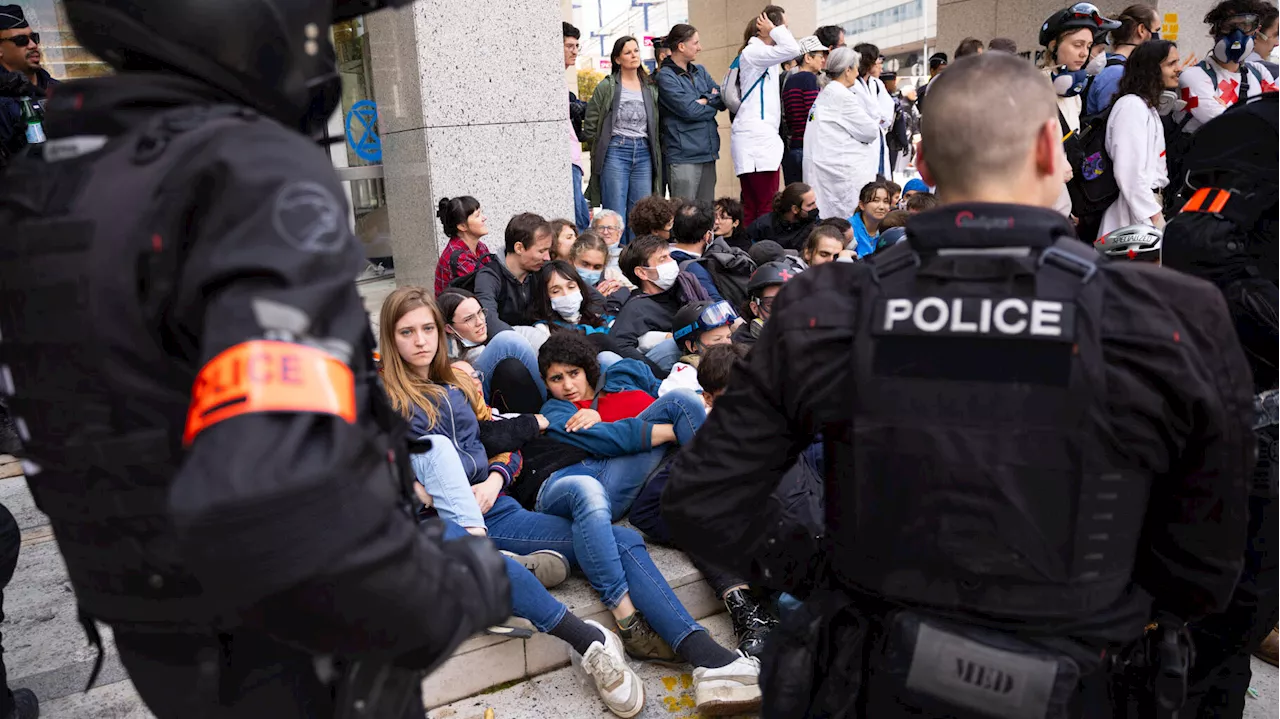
{"points": [[272, 55]]}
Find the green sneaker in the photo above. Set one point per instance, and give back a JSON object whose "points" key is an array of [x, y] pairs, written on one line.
{"points": [[644, 644]]}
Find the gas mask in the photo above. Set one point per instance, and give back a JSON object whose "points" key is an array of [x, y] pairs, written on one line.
{"points": [[1170, 103], [1068, 83], [1233, 47]]}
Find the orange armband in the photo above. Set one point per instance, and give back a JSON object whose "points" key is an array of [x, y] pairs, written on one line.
{"points": [[269, 376]]}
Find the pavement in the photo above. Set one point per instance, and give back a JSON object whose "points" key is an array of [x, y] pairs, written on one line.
{"points": [[45, 650]]}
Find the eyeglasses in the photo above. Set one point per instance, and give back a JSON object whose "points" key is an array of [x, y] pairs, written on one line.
{"points": [[24, 40], [1088, 10], [475, 374], [609, 229], [474, 320], [766, 303]]}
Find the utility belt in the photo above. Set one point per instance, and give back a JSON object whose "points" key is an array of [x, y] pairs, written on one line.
{"points": [[832, 659]]}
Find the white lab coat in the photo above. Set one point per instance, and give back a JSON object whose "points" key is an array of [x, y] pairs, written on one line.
{"points": [[755, 142], [1206, 101], [880, 106], [840, 145], [1135, 141]]}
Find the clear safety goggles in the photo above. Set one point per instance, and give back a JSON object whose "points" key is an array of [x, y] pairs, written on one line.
{"points": [[717, 315], [1247, 23]]}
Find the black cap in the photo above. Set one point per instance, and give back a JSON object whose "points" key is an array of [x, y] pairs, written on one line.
{"points": [[765, 251], [11, 17], [938, 59], [888, 75]]}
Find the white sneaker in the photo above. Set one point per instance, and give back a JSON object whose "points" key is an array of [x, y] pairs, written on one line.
{"points": [[618, 684], [732, 689]]}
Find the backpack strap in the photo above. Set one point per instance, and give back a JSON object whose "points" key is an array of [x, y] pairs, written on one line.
{"points": [[1243, 209]]}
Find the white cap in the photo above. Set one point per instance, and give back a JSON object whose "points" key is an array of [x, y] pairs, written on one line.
{"points": [[811, 43]]}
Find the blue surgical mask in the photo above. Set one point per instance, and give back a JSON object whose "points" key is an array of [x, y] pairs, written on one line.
{"points": [[1233, 47], [1068, 83], [591, 277]]}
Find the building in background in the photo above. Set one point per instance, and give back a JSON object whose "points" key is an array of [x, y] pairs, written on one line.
{"points": [[905, 32], [63, 56], [602, 22]]}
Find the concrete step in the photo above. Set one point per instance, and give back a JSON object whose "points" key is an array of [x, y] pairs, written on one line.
{"points": [[485, 662]]}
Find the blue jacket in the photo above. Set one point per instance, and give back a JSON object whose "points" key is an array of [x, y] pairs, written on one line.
{"points": [[689, 131], [1103, 88], [608, 439], [864, 243], [698, 270], [458, 422]]}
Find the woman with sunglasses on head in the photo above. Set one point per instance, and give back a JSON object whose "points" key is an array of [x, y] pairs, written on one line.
{"points": [[650, 618], [1135, 137], [505, 358]]}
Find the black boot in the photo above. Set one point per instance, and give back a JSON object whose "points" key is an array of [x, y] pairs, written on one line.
{"points": [[751, 622]]}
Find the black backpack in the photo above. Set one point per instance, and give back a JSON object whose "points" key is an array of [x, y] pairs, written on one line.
{"points": [[730, 269], [1093, 186], [1177, 141], [468, 281]]}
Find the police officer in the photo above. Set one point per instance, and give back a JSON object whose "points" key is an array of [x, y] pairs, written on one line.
{"points": [[189, 364], [1018, 476], [1227, 234]]}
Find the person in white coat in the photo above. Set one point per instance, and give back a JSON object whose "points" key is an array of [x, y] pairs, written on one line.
{"points": [[1135, 136], [755, 142], [840, 140], [876, 97]]}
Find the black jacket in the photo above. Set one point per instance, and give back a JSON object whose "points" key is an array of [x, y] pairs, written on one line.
{"points": [[501, 294], [791, 235], [646, 313], [189, 238], [1171, 377]]}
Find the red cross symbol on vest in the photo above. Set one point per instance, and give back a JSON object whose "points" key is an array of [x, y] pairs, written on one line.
{"points": [[1227, 91], [1192, 101]]}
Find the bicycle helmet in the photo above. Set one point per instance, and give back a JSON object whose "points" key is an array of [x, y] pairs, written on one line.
{"points": [[1135, 242], [697, 317], [1080, 15], [769, 274]]}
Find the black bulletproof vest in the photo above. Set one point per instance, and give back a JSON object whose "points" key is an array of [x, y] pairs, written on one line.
{"points": [[98, 378], [973, 474]]}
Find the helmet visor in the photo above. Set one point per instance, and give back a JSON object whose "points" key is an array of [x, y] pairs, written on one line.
{"points": [[717, 315]]}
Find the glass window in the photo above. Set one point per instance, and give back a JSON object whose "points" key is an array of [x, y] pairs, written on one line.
{"points": [[63, 56]]}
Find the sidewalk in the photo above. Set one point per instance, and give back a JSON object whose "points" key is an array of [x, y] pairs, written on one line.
{"points": [[46, 650]]}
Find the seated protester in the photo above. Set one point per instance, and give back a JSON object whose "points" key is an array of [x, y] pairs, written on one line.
{"points": [[766, 251], [752, 620], [465, 253], [824, 245], [624, 427], [698, 327], [590, 257], [608, 225], [922, 202], [841, 224], [564, 233], [505, 288], [652, 215], [873, 205], [652, 308], [895, 193], [690, 232], [795, 210], [505, 359], [613, 558], [729, 223], [766, 283], [895, 218], [915, 186]]}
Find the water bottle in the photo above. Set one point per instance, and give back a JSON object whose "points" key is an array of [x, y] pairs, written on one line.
{"points": [[35, 128]]}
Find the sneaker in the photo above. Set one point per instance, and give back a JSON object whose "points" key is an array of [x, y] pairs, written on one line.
{"points": [[751, 622], [644, 644], [1267, 652], [617, 683], [25, 705], [732, 689], [550, 567]]}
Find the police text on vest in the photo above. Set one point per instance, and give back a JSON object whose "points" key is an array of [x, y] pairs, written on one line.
{"points": [[993, 317]]}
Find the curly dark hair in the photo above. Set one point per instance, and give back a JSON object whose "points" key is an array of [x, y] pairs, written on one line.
{"points": [[1228, 9], [716, 366], [542, 310], [731, 209], [649, 214], [1142, 74], [572, 349]]}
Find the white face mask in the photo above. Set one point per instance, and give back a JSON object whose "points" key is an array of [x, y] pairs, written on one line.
{"points": [[667, 273], [466, 342], [568, 306], [1097, 64]]}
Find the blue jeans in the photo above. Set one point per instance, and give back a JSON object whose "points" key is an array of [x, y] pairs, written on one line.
{"points": [[608, 359], [515, 529], [441, 473], [627, 176], [622, 478], [529, 599], [581, 210], [501, 346], [665, 354]]}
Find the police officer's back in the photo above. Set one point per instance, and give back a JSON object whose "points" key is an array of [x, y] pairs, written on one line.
{"points": [[1030, 450], [191, 365]]}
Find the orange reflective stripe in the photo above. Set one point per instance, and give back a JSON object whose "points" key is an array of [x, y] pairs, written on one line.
{"points": [[1193, 205], [1219, 202], [269, 376]]}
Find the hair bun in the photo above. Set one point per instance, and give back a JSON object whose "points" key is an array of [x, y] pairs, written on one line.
{"points": [[442, 208]]}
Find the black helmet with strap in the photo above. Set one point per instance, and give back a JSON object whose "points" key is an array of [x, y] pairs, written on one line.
{"points": [[769, 274], [1080, 15], [279, 61]]}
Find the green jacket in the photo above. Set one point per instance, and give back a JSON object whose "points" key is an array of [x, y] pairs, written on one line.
{"points": [[598, 129]]}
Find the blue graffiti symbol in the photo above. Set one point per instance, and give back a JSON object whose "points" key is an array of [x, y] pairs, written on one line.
{"points": [[363, 118]]}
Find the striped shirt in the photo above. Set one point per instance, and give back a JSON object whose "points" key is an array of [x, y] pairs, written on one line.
{"points": [[797, 99]]}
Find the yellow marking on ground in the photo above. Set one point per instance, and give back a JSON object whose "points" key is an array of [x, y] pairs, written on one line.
{"points": [[669, 683]]}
